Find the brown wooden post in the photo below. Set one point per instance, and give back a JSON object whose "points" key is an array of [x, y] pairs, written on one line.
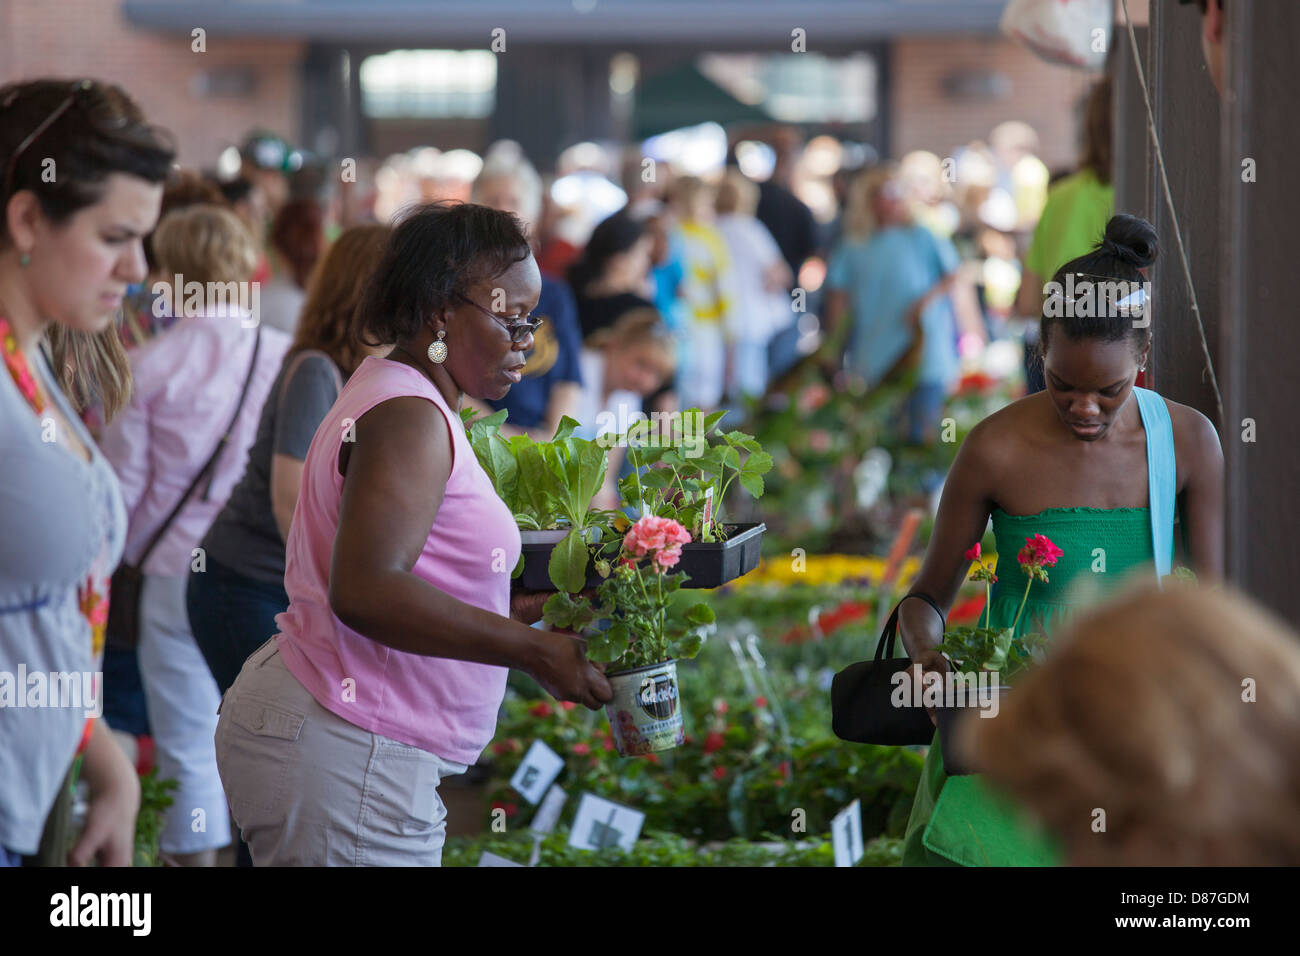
{"points": [[1259, 340], [1186, 111]]}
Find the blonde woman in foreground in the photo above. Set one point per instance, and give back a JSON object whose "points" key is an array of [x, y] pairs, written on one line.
{"points": [[1177, 713]]}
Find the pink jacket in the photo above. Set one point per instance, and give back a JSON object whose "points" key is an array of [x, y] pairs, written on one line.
{"points": [[187, 382]]}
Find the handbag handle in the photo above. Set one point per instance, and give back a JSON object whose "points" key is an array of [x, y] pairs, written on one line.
{"points": [[212, 459], [891, 627]]}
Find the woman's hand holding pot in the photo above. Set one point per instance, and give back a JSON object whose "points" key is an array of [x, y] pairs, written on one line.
{"points": [[565, 673]]}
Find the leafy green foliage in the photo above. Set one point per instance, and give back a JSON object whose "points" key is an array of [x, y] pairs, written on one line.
{"points": [[643, 621], [678, 484], [664, 849], [154, 800], [546, 485], [738, 775], [990, 649]]}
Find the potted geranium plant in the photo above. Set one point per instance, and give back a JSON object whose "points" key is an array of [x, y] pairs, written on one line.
{"points": [[690, 475], [639, 631], [983, 650]]}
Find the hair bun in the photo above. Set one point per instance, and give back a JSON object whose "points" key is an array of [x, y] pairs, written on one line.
{"points": [[1130, 240]]}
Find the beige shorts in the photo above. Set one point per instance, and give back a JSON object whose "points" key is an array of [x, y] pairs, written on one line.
{"points": [[308, 788]]}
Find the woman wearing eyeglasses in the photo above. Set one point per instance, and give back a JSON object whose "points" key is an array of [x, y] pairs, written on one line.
{"points": [[390, 664], [70, 244]]}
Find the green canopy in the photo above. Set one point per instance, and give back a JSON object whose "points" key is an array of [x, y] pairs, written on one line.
{"points": [[686, 97]]}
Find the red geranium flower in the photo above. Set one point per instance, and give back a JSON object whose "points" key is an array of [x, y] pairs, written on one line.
{"points": [[719, 773], [541, 709], [1046, 551], [568, 704], [760, 701], [714, 741], [582, 749], [974, 553]]}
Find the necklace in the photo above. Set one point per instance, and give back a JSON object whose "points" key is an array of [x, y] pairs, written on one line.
{"points": [[16, 363], [92, 596]]}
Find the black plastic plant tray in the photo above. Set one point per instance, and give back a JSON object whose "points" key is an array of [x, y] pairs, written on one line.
{"points": [[536, 577], [707, 564], [713, 564]]}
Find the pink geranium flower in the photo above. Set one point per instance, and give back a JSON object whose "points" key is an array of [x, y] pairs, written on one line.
{"points": [[660, 537], [974, 553]]}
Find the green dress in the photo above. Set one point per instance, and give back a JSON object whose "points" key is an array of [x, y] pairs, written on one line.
{"points": [[960, 820]]}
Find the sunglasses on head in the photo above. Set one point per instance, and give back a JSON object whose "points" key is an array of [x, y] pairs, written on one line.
{"points": [[79, 87]]}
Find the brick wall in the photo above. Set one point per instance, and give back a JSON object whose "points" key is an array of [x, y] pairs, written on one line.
{"points": [[924, 116], [91, 38]]}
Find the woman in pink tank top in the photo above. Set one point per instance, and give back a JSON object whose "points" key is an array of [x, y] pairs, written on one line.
{"points": [[390, 663]]}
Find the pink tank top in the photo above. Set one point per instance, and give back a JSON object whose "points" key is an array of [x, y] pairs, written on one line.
{"points": [[447, 707]]}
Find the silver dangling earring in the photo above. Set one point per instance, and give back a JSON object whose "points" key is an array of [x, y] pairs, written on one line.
{"points": [[438, 349]]}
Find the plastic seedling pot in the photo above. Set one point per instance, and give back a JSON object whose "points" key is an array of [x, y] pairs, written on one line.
{"points": [[537, 547], [711, 564]]}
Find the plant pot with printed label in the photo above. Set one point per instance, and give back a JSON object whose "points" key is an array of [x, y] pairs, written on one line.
{"points": [[645, 715]]}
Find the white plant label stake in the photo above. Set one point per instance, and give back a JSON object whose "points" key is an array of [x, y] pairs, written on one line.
{"points": [[846, 834], [601, 823], [548, 814], [540, 767]]}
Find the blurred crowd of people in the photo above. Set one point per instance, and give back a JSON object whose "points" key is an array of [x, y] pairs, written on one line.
{"points": [[664, 290]]}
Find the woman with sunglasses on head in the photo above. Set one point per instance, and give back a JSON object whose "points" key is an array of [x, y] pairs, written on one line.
{"points": [[1098, 466], [390, 664], [70, 244]]}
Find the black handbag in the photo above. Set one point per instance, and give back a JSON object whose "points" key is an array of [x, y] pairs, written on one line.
{"points": [[861, 709], [122, 631]]}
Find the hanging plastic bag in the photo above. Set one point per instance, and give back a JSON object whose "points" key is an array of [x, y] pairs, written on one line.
{"points": [[1066, 32]]}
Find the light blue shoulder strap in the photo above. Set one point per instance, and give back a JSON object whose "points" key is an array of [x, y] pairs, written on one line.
{"points": [[1162, 475]]}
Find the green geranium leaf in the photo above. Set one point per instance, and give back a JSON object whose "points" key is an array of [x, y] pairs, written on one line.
{"points": [[605, 647], [700, 614], [562, 611], [688, 646]]}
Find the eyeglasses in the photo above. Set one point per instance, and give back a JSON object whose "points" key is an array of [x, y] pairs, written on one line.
{"points": [[519, 329], [78, 87]]}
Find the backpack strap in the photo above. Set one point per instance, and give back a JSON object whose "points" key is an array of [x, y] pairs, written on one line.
{"points": [[1162, 475]]}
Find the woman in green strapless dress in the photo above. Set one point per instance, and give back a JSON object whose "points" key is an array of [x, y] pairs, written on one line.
{"points": [[1097, 465], [992, 828]]}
